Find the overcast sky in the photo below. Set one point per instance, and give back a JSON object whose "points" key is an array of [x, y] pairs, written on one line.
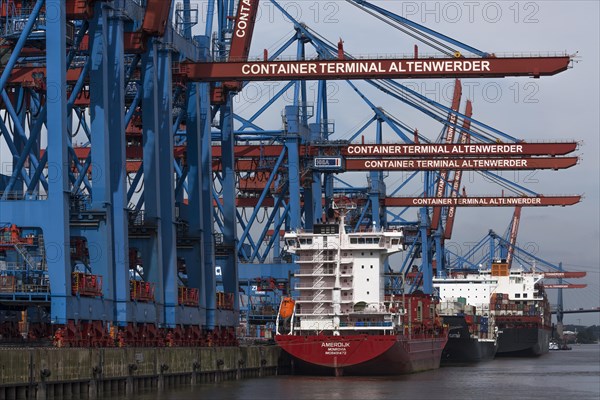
{"points": [[557, 108]]}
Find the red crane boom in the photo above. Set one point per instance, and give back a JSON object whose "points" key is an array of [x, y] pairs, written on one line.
{"points": [[565, 286], [239, 48], [450, 132], [514, 230], [463, 139], [402, 68]]}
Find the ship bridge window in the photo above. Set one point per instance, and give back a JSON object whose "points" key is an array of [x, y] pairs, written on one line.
{"points": [[518, 295], [395, 242], [353, 240], [525, 295], [369, 240], [361, 240]]}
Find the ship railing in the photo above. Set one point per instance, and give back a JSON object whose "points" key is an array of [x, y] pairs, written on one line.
{"points": [[367, 324], [312, 298], [318, 258], [373, 308], [310, 272], [312, 314], [304, 286]]}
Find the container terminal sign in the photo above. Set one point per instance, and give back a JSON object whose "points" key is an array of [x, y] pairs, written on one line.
{"points": [[442, 150], [408, 164], [364, 67], [478, 201], [375, 68]]}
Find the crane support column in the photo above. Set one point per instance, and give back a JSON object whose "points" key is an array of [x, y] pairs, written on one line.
{"points": [[208, 238], [194, 257], [230, 260], [292, 119], [426, 270], [56, 224], [152, 246], [377, 187], [166, 222], [107, 86]]}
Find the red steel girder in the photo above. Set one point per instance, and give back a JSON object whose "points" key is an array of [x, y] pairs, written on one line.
{"points": [[492, 164], [481, 201], [156, 17], [459, 150], [565, 274], [32, 76], [565, 286], [376, 69], [252, 202], [247, 165], [79, 9], [255, 183], [247, 151]]}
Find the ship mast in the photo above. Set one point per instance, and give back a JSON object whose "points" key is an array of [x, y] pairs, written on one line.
{"points": [[337, 287], [336, 295]]}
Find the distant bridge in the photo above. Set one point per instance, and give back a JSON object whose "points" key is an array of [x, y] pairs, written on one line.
{"points": [[579, 311]]}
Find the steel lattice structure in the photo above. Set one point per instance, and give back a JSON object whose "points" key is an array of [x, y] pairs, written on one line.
{"points": [[128, 158]]}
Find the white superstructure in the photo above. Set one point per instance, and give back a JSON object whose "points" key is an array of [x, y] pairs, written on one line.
{"points": [[479, 287], [340, 280]]}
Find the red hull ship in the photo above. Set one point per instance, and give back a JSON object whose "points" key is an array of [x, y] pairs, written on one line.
{"points": [[341, 323], [362, 354]]}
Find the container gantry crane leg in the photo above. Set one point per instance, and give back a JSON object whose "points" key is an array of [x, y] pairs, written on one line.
{"points": [[109, 197]]}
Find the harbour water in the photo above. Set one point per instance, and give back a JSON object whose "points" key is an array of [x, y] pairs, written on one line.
{"points": [[571, 374]]}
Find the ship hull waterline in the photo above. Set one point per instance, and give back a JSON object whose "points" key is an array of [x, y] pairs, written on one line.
{"points": [[523, 341], [362, 354], [464, 349]]}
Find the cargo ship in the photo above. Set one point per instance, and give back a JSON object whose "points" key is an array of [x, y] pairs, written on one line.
{"points": [[522, 312], [514, 302], [465, 308], [341, 322]]}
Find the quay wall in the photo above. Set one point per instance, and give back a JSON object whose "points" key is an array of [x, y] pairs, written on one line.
{"points": [[57, 373]]}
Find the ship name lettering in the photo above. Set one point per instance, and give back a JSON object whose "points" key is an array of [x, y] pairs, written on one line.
{"points": [[335, 344]]}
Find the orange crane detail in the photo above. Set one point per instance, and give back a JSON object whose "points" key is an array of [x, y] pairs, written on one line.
{"points": [[239, 48]]}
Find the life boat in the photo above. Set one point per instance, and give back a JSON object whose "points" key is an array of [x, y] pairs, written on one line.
{"points": [[286, 309]]}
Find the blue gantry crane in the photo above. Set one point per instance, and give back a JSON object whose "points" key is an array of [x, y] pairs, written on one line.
{"points": [[139, 201]]}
